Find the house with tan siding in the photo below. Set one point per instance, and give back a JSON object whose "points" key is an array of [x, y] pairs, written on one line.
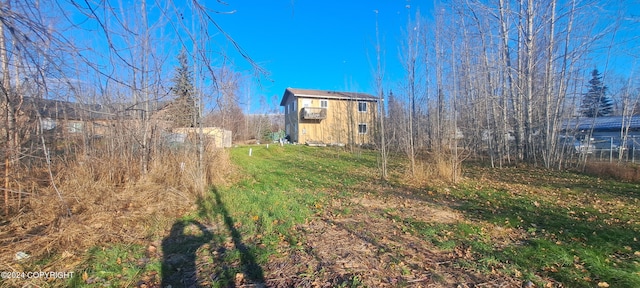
{"points": [[329, 117]]}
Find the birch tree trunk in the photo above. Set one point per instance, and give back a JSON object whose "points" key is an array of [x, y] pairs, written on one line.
{"points": [[549, 151], [10, 120], [410, 67], [381, 110], [529, 46]]}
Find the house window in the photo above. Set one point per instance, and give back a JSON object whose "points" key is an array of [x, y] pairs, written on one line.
{"points": [[48, 123], [362, 106], [362, 128], [324, 103], [75, 127]]}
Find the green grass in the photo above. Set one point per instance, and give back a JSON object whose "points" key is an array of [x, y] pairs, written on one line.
{"points": [[255, 217], [281, 188], [574, 229], [115, 266], [576, 243], [580, 230]]}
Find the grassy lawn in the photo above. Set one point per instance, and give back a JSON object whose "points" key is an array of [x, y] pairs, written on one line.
{"points": [[580, 230], [280, 188], [303, 216]]}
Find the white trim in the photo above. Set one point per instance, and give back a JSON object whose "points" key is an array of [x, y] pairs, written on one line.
{"points": [[337, 97], [365, 107], [366, 128]]}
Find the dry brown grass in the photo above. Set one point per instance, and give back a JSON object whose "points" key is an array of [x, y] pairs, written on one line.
{"points": [[437, 167], [110, 200], [618, 171]]}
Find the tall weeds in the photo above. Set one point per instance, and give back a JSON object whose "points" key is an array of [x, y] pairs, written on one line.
{"points": [[109, 197], [619, 171], [444, 166]]}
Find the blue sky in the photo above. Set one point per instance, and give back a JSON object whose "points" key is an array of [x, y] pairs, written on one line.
{"points": [[327, 45], [330, 44]]}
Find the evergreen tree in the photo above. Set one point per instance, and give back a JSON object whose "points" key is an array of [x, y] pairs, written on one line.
{"points": [[596, 103], [185, 112]]}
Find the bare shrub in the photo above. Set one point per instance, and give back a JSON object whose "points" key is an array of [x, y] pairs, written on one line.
{"points": [[618, 171]]}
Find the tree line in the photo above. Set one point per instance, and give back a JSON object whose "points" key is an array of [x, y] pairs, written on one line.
{"points": [[501, 79]]}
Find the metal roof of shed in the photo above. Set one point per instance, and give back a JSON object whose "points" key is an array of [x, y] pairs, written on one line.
{"points": [[611, 123]]}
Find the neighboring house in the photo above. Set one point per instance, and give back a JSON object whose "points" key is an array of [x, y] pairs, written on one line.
{"points": [[605, 132], [329, 117], [66, 117], [75, 118]]}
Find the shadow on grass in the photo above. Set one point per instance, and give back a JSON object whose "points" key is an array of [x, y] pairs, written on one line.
{"points": [[179, 250], [212, 208]]}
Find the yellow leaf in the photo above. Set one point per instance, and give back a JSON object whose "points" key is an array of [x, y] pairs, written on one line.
{"points": [[85, 276], [603, 284], [518, 274], [119, 261]]}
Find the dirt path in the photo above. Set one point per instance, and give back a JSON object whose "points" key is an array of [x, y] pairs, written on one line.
{"points": [[367, 245]]}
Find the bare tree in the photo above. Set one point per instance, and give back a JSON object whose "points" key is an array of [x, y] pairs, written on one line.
{"points": [[410, 63], [9, 111], [379, 76]]}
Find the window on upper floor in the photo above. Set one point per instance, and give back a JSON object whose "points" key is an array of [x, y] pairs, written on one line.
{"points": [[324, 103], [362, 106]]}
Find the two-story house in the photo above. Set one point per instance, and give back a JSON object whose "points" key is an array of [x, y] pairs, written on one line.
{"points": [[329, 117]]}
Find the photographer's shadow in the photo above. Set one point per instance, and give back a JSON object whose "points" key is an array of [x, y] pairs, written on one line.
{"points": [[179, 253]]}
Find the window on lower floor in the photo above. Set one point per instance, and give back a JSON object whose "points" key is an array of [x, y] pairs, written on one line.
{"points": [[362, 128]]}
